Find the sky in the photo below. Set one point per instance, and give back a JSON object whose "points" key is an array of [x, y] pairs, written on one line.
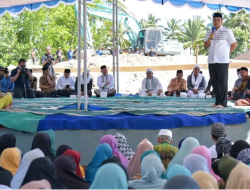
{"points": [[141, 9]]}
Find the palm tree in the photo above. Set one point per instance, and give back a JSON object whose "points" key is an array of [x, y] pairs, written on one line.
{"points": [[239, 20], [192, 33], [173, 28], [151, 22]]}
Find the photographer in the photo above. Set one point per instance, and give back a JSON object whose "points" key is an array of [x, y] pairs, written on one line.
{"points": [[20, 76], [48, 60]]}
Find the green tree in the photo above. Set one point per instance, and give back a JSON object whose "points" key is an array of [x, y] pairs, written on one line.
{"points": [[151, 22], [46, 27], [242, 39], [192, 33], [239, 20], [173, 28]]}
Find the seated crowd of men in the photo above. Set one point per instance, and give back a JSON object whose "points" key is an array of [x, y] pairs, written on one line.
{"points": [[21, 83]]}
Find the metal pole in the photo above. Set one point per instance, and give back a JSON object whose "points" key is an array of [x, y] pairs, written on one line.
{"points": [[117, 46], [197, 50], [85, 56], [79, 57], [113, 30]]}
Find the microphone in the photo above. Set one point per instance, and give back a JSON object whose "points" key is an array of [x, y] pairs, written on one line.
{"points": [[213, 29]]}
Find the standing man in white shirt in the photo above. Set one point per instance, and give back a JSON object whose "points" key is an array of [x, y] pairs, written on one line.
{"points": [[105, 82], [66, 84], [221, 43], [151, 85]]}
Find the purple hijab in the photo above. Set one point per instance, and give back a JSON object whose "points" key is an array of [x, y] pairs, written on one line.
{"points": [[110, 139]]}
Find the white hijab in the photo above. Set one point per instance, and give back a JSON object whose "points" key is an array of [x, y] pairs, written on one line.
{"points": [[24, 166]]}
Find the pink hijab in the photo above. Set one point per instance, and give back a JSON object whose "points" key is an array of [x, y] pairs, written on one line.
{"points": [[203, 151], [111, 140], [42, 184], [134, 166]]}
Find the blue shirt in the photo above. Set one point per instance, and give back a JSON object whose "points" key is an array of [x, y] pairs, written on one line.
{"points": [[6, 84], [70, 54], [19, 83]]}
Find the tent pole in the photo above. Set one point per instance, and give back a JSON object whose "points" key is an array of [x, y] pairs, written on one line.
{"points": [[117, 46], [197, 50], [85, 55], [113, 49], [79, 57]]}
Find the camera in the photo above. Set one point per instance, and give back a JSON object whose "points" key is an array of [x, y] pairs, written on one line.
{"points": [[51, 58], [24, 70]]}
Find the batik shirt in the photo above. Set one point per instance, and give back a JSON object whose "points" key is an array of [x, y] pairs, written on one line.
{"points": [[176, 85], [166, 152]]}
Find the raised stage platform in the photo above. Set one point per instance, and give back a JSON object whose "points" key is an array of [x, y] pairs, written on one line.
{"points": [[83, 130], [148, 113]]}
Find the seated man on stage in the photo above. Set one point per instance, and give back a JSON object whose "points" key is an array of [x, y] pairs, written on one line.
{"points": [[89, 82], [66, 84], [33, 82], [177, 85], [151, 85], [195, 82], [6, 85], [236, 85], [105, 82], [47, 84], [238, 92]]}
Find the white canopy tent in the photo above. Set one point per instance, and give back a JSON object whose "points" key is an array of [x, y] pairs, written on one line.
{"points": [[18, 6]]}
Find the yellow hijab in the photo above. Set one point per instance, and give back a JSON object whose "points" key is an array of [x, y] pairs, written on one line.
{"points": [[10, 159], [239, 177], [205, 180]]}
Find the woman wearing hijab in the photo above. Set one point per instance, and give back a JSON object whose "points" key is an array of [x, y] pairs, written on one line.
{"points": [[237, 147], [180, 143], [5, 177], [148, 153], [65, 168], [204, 151], [10, 160], [205, 180], [110, 139], [135, 163], [176, 170], [42, 168], [116, 160], [244, 156], [43, 142], [42, 184], [77, 158], [7, 141], [23, 168], [187, 146], [226, 165], [61, 149], [196, 162], [151, 172], [110, 176], [123, 146], [239, 177], [52, 138], [103, 152], [181, 182]]}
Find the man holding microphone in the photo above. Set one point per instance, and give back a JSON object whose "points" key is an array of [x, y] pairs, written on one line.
{"points": [[221, 43]]}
